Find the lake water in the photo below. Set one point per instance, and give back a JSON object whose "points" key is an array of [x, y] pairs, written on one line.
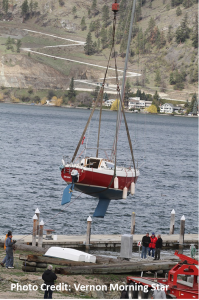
{"points": [[33, 140]]}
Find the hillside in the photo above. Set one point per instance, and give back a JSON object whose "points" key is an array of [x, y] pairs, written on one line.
{"points": [[53, 37]]}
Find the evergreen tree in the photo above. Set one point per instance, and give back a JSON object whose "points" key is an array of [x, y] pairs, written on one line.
{"points": [[9, 43], [74, 11], [89, 13], [170, 34], [127, 90], [187, 3], [92, 26], [94, 8], [183, 31], [157, 78], [103, 35], [18, 45], [171, 79], [24, 8], [35, 5], [97, 28], [83, 24], [105, 15], [195, 32], [110, 36], [72, 92], [178, 11], [194, 105], [88, 48], [5, 5], [98, 46], [195, 75], [95, 92]]}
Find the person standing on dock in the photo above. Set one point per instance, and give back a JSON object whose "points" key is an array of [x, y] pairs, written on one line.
{"points": [[4, 246], [49, 277], [145, 245], [158, 247], [152, 244], [9, 251]]}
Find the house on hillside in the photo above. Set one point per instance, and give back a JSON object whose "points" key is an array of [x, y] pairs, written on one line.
{"points": [[166, 108]]}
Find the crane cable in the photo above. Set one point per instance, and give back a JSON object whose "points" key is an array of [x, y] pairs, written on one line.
{"points": [[100, 95]]}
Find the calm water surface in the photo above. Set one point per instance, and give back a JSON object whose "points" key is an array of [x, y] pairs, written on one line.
{"points": [[33, 140]]}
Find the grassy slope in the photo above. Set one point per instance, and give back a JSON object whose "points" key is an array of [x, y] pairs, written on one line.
{"points": [[182, 55]]}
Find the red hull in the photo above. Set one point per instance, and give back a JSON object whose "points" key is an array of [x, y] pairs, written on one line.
{"points": [[92, 178]]}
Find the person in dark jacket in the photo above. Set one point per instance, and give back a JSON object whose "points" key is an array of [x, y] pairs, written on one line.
{"points": [[9, 251], [49, 277], [145, 244], [158, 247]]}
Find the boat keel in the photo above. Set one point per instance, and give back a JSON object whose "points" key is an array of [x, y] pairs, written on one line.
{"points": [[101, 208]]}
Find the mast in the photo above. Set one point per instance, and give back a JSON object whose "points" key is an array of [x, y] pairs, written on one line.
{"points": [[124, 79]]}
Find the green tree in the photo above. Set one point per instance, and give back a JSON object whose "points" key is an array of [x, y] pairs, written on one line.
{"points": [[72, 92], [178, 11], [9, 43], [83, 24], [35, 5], [127, 90], [74, 11], [195, 75], [105, 15], [5, 5], [31, 7], [24, 8], [97, 28], [18, 45], [171, 79], [170, 34], [193, 100], [88, 48], [195, 32], [187, 3], [94, 8], [183, 31], [96, 92], [157, 78], [104, 39]]}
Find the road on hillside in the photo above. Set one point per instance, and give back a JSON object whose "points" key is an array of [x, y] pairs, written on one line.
{"points": [[77, 43]]}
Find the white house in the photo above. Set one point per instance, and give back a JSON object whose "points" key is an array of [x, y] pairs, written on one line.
{"points": [[109, 102], [135, 102], [166, 108]]}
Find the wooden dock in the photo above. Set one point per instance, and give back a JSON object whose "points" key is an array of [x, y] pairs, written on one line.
{"points": [[105, 241]]}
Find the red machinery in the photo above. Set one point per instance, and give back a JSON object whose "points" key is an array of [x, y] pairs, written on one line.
{"points": [[174, 286]]}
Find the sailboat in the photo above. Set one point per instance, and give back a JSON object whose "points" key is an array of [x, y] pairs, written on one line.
{"points": [[97, 176]]}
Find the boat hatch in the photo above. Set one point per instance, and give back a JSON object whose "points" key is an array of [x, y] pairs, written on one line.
{"points": [[109, 165], [93, 163]]}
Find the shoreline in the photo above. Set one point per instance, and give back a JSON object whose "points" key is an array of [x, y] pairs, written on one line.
{"points": [[87, 108]]}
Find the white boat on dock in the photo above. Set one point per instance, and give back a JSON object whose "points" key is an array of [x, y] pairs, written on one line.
{"points": [[70, 254]]}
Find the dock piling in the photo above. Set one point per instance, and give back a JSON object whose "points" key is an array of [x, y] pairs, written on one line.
{"points": [[34, 233], [88, 233], [182, 231], [172, 222], [41, 230], [133, 223], [37, 212]]}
